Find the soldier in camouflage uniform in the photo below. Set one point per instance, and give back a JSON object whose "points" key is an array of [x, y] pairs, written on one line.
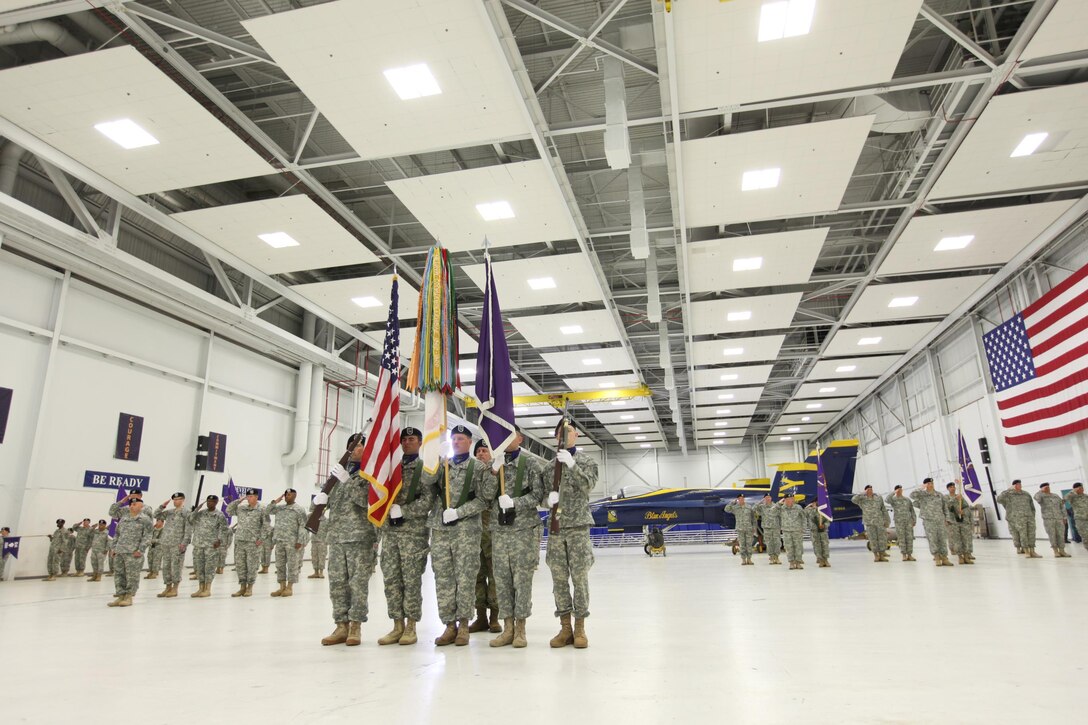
{"points": [[961, 526], [154, 553], [406, 542], [771, 521], [516, 544], [932, 506], [289, 536], [209, 532], [319, 548], [875, 517], [84, 534], [1053, 510], [4, 533], [353, 549], [793, 531], [68, 547], [131, 542], [100, 541], [486, 595], [1020, 513], [228, 541], [56, 551], [266, 550], [570, 552], [253, 531], [905, 518], [1078, 503], [745, 517], [456, 531], [821, 543], [176, 535]]}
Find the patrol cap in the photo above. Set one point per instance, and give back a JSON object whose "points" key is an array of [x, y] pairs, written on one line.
{"points": [[868, 487], [460, 430], [1078, 485], [212, 497], [178, 495], [479, 444], [927, 479], [410, 431], [897, 488], [251, 492]]}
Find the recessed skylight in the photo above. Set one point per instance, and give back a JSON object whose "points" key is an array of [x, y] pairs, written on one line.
{"points": [[786, 438], [785, 19], [903, 302], [591, 361], [366, 301], [760, 179], [640, 438], [814, 406], [540, 283], [721, 423], [949, 244], [870, 340], [726, 396], [571, 329], [495, 210], [806, 418], [846, 368], [730, 351], [793, 430], [412, 81], [723, 411], [1028, 145], [634, 427], [730, 376], [747, 264], [278, 240], [738, 316], [828, 390], [126, 133], [627, 417], [644, 445]]}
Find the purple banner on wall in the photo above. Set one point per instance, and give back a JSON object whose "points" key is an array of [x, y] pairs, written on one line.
{"points": [[130, 431], [5, 409], [125, 481], [217, 452], [11, 546]]}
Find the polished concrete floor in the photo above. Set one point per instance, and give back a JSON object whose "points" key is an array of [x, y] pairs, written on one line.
{"points": [[692, 637]]}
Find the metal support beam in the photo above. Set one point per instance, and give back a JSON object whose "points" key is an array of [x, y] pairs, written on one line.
{"points": [[593, 32], [71, 198], [306, 135], [196, 31], [942, 24], [224, 280]]}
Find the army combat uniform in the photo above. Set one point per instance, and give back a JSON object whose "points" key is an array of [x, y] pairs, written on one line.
{"points": [[319, 548], [83, 547], [961, 527], [793, 531], [1053, 510], [875, 517], [253, 527], [154, 554], [745, 517], [904, 517], [133, 537], [570, 552], [267, 545], [932, 506], [56, 552], [100, 541], [176, 535], [1078, 502], [1020, 513], [68, 547], [289, 538], [353, 553], [209, 528], [228, 541], [771, 521], [821, 544]]}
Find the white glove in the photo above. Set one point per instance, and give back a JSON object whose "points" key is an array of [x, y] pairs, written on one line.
{"points": [[449, 515], [553, 499], [339, 473], [565, 458], [505, 502], [395, 512], [496, 464], [321, 499]]}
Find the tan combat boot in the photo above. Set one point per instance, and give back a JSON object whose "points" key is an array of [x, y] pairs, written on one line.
{"points": [[355, 635], [448, 636], [151, 575], [945, 561], [1032, 554], [248, 591], [968, 559], [409, 636], [241, 590], [394, 635], [320, 574], [126, 601], [288, 590], [116, 600], [1062, 554], [338, 636], [961, 559], [199, 593], [218, 570], [315, 575], [580, 640], [51, 578], [480, 625], [264, 570], [910, 557], [507, 636], [566, 634], [519, 634], [493, 622], [194, 576], [279, 592], [98, 577], [463, 631], [163, 594]]}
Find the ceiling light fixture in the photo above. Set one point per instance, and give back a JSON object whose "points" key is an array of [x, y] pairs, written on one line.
{"points": [[828, 390], [634, 427], [571, 329], [747, 264], [786, 438], [365, 302], [721, 424], [870, 340], [903, 302], [760, 179], [627, 417], [618, 403], [806, 418], [495, 210], [725, 396], [640, 438], [814, 406], [717, 443], [719, 434], [730, 376], [949, 244], [793, 430], [412, 81], [730, 351], [644, 445], [540, 422], [590, 361], [738, 316], [126, 133], [723, 411], [540, 283], [606, 385], [846, 368], [785, 19], [1028, 145], [278, 240]]}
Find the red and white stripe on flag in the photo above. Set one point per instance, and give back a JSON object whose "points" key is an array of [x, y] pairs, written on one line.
{"points": [[380, 462], [1039, 364]]}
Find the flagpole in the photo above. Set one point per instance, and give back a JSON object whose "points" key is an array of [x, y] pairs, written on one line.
{"points": [[445, 427]]}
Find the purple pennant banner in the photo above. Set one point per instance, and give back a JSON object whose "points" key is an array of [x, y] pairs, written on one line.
{"points": [[11, 546], [823, 501], [130, 431], [217, 452], [971, 487]]}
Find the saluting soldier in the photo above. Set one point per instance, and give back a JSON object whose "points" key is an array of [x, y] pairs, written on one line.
{"points": [[100, 542], [84, 534], [875, 517], [1053, 511], [154, 553], [56, 551], [131, 542], [770, 518], [745, 517], [932, 505], [253, 530], [793, 531], [209, 527], [904, 517], [821, 543], [1020, 514], [289, 536], [176, 535], [1078, 503]]}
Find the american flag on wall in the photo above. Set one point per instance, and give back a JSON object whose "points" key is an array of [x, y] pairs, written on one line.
{"points": [[380, 462], [1039, 364]]}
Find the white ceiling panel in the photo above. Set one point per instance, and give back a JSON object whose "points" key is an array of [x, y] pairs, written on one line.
{"points": [[338, 52], [630, 417], [634, 428], [851, 43], [784, 258], [613, 406], [797, 431], [322, 242], [998, 234], [805, 407], [743, 314], [446, 205], [878, 340], [560, 279], [61, 101], [570, 328], [816, 161], [743, 410], [642, 446], [933, 297], [719, 441], [535, 422], [732, 426], [648, 434], [737, 349], [806, 418], [591, 360], [337, 296], [735, 375], [601, 382], [984, 163], [727, 396], [828, 389], [1061, 32], [856, 367], [535, 411]]}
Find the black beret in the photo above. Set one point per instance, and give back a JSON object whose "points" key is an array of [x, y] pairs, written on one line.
{"points": [[291, 490], [460, 430], [479, 444], [212, 497], [927, 479], [868, 487], [1078, 485], [410, 431], [950, 485], [179, 494], [135, 492], [897, 488], [101, 521], [1044, 485], [60, 522], [251, 492]]}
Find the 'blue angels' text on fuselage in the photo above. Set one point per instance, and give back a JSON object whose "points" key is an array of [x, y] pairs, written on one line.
{"points": [[706, 505]]}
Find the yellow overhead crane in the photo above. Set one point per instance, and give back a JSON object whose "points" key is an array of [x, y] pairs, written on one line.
{"points": [[560, 400]]}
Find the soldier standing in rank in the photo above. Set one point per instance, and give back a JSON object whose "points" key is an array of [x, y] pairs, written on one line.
{"points": [[100, 541], [486, 596], [875, 517], [1020, 513], [515, 538], [175, 536], [821, 543], [56, 551], [745, 517], [406, 542], [961, 525], [353, 549], [68, 546], [1078, 503], [154, 553], [84, 534], [905, 518], [289, 536], [209, 531], [228, 542], [319, 547], [771, 520], [464, 488], [1053, 510], [253, 531], [266, 550], [793, 531], [570, 552], [129, 546], [932, 506], [5, 532]]}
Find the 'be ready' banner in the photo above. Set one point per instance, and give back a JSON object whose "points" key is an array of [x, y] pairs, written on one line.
{"points": [[102, 479]]}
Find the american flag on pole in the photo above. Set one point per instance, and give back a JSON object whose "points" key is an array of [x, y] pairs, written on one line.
{"points": [[1039, 364], [380, 463], [968, 475], [823, 501]]}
